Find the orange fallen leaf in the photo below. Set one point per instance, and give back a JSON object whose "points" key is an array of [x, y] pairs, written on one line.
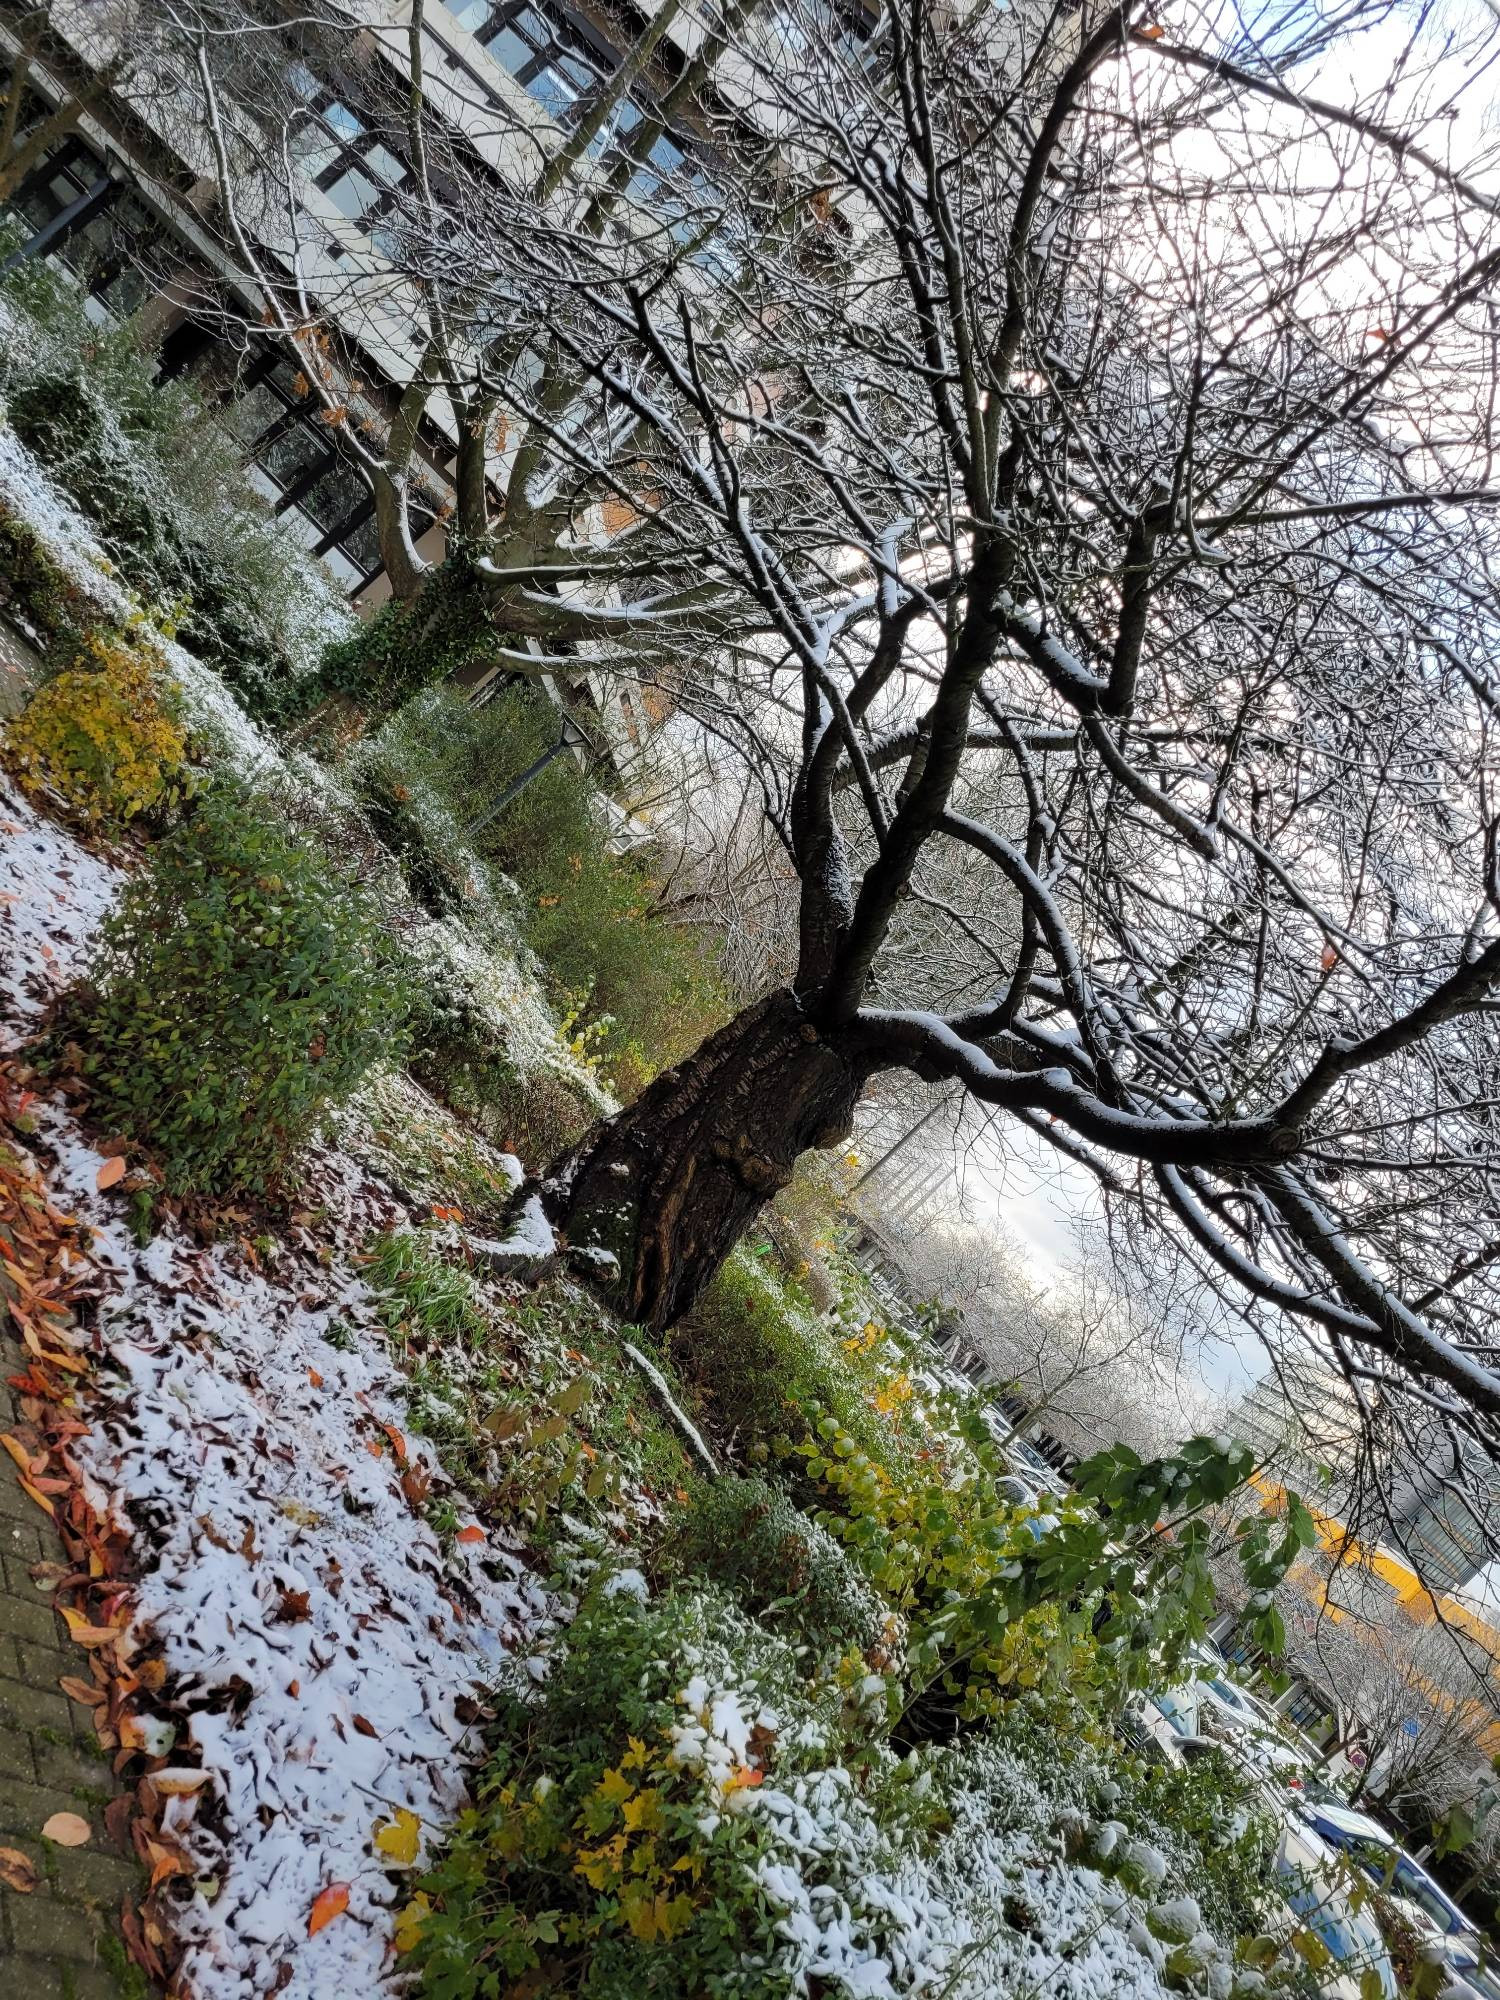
{"points": [[18, 1871], [1330, 958], [315, 1378], [68, 1830], [327, 1904], [109, 1173], [398, 1443], [366, 1728], [17, 1451], [470, 1534]]}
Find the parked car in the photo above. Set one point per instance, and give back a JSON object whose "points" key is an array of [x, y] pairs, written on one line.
{"points": [[1383, 1859], [1147, 1725], [1308, 1880]]}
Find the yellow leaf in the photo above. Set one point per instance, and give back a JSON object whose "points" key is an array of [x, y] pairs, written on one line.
{"points": [[400, 1838], [642, 1814], [635, 1758], [409, 1922], [614, 1787]]}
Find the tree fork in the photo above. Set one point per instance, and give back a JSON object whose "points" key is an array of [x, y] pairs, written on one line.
{"points": [[669, 1185]]}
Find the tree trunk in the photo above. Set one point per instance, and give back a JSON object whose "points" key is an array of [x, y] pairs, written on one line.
{"points": [[670, 1184]]}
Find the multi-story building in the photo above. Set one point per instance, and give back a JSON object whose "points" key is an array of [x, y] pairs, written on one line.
{"points": [[126, 200]]}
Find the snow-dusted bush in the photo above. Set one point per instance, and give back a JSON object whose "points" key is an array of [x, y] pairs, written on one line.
{"points": [[781, 1565], [239, 989], [679, 1812], [152, 467]]}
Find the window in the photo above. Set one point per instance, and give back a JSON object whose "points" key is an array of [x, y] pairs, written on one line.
{"points": [[360, 174], [295, 462], [106, 251]]}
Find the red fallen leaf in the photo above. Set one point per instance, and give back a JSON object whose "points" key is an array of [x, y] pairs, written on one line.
{"points": [[366, 1728], [109, 1173], [327, 1904], [315, 1378], [1330, 958], [293, 1608], [470, 1534]]}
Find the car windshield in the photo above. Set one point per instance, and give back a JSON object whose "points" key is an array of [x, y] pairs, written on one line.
{"points": [[1178, 1713], [1416, 1887]]}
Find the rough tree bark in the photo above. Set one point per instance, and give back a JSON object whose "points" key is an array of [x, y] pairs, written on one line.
{"points": [[669, 1185]]}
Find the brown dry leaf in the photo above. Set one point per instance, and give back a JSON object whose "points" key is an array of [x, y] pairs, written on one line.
{"points": [[366, 1728], [295, 1605], [68, 1830], [109, 1173], [77, 1690], [18, 1871]]}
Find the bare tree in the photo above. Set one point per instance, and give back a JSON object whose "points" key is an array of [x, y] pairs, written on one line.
{"points": [[1056, 453]]}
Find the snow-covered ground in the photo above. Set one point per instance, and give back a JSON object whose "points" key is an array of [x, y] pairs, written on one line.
{"points": [[322, 1650]]}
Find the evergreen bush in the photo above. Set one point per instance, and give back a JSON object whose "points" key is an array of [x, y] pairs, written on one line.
{"points": [[162, 481], [746, 1536], [240, 988]]}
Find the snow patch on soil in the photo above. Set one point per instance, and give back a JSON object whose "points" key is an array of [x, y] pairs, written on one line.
{"points": [[53, 897]]}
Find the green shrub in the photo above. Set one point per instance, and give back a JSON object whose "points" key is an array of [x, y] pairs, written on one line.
{"points": [[39, 596], [601, 1856], [745, 1536], [154, 469], [240, 988], [644, 990], [759, 1357]]}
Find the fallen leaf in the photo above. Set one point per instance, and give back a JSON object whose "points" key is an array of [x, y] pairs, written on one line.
{"points": [[109, 1173], [1330, 958], [18, 1871], [398, 1443], [315, 1378], [366, 1728], [327, 1904], [17, 1451], [469, 1534], [68, 1830], [1153, 33], [178, 1783], [77, 1690], [293, 1608], [398, 1840]]}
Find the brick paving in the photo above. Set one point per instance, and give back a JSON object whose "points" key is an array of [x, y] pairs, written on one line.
{"points": [[61, 1942]]}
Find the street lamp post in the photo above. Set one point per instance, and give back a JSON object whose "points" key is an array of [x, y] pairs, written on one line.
{"points": [[570, 737]]}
